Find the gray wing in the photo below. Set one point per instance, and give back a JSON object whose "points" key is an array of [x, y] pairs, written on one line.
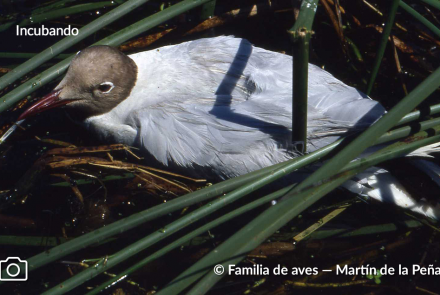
{"points": [[264, 80], [226, 105], [189, 138]]}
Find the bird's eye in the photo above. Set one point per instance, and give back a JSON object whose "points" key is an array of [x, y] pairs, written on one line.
{"points": [[106, 87]]}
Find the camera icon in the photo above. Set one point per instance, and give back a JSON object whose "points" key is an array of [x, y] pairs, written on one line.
{"points": [[13, 269]]}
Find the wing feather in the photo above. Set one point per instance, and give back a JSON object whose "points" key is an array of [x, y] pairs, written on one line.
{"points": [[224, 104]]}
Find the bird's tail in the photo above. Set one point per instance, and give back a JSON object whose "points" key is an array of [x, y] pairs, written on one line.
{"points": [[426, 151], [378, 184]]}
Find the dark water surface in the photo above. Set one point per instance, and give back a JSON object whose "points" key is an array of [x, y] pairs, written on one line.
{"points": [[56, 211]]}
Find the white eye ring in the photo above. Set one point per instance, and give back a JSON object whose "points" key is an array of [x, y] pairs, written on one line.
{"points": [[107, 84]]}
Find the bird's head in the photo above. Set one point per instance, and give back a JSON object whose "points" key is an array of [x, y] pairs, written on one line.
{"points": [[98, 79]]}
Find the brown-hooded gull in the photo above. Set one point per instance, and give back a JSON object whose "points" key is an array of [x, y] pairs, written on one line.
{"points": [[216, 107]]}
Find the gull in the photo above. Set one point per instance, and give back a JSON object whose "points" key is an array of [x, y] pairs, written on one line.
{"points": [[213, 108]]}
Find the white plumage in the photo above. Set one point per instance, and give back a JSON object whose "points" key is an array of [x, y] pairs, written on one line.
{"points": [[223, 107], [218, 108]]}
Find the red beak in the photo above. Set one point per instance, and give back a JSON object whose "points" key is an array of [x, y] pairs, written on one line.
{"points": [[48, 102]]}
